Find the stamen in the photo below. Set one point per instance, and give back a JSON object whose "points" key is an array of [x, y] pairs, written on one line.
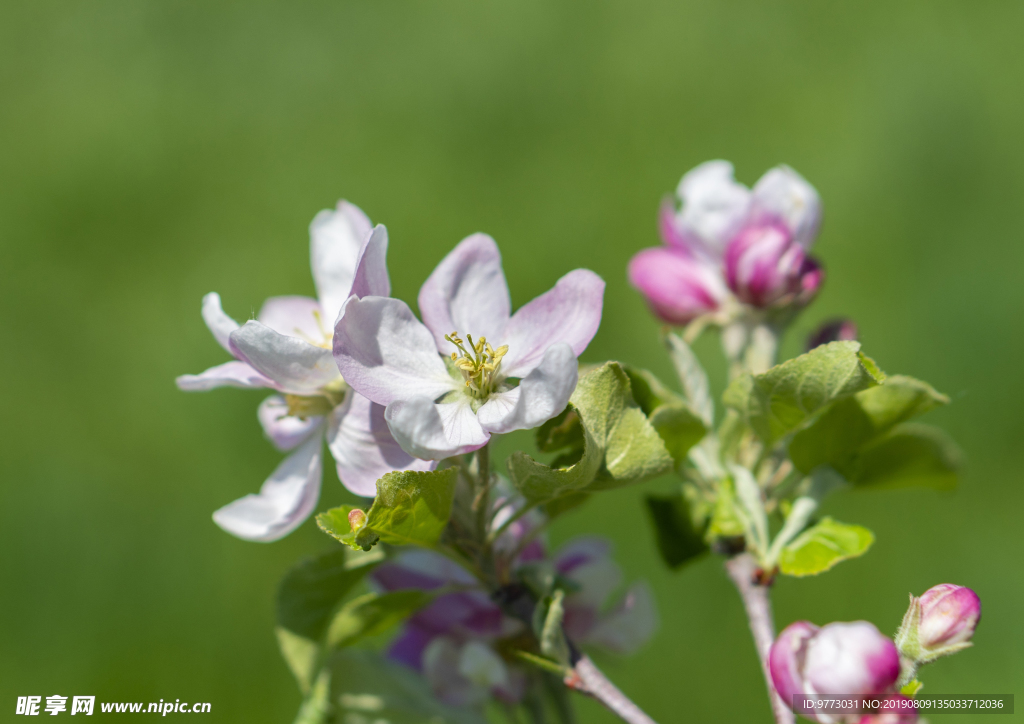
{"points": [[479, 363]]}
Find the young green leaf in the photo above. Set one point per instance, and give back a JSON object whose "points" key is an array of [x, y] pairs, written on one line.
{"points": [[679, 427], [312, 589], [679, 539], [373, 614], [301, 654], [692, 377], [788, 395], [910, 454], [852, 422], [411, 508], [822, 546]]}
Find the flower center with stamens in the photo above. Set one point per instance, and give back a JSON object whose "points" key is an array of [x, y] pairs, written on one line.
{"points": [[327, 335], [479, 363]]}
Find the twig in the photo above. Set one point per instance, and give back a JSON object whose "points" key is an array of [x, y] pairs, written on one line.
{"points": [[742, 569], [588, 679]]}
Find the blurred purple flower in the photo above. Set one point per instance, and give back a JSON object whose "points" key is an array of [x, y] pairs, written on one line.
{"points": [[288, 349], [834, 330]]}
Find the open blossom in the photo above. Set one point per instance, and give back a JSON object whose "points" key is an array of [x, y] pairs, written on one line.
{"points": [[850, 660], [455, 642], [288, 349], [471, 369], [728, 238]]}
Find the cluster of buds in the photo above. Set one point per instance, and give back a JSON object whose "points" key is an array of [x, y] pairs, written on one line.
{"points": [[856, 662], [727, 242]]}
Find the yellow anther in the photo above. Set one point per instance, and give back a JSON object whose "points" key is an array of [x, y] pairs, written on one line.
{"points": [[454, 356], [479, 363]]}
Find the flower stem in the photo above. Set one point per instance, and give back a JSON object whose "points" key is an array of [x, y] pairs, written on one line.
{"points": [[481, 502], [587, 679], [742, 569]]}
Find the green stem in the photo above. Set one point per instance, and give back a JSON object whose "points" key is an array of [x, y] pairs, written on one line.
{"points": [[482, 503]]}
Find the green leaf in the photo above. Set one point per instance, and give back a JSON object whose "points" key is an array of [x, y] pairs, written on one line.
{"points": [[911, 454], [548, 617], [854, 421], [679, 427], [620, 447], [316, 707], [725, 518], [373, 614], [788, 395], [301, 654], [311, 590], [679, 539], [366, 688], [692, 377], [822, 546], [411, 508]]}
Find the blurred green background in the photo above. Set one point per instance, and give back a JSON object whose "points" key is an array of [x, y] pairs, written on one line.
{"points": [[155, 151]]}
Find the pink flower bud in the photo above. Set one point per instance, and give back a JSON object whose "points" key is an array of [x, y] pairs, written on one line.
{"points": [[356, 519], [834, 330], [949, 615], [764, 264], [852, 659], [786, 658], [678, 287]]}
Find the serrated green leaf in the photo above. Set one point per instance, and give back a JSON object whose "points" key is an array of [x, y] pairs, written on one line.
{"points": [[620, 445], [788, 395], [561, 432], [679, 539], [366, 687], [822, 546], [694, 380], [373, 614], [909, 455], [679, 427], [411, 508], [312, 589], [854, 421]]}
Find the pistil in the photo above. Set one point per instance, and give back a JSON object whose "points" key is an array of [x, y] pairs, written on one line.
{"points": [[479, 363]]}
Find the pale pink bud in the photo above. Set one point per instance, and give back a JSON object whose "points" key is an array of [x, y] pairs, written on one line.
{"points": [[851, 659], [949, 615], [764, 265], [834, 330], [356, 519], [895, 709], [678, 287], [786, 658]]}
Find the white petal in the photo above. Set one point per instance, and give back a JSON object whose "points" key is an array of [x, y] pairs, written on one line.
{"points": [[219, 323], [371, 277], [229, 374], [434, 432], [386, 354], [335, 240], [541, 395], [285, 431], [294, 316], [714, 205], [597, 580], [363, 447], [285, 500], [466, 293], [630, 624], [294, 364], [569, 312], [784, 194]]}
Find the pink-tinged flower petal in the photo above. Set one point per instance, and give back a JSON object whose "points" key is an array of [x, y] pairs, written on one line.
{"points": [[851, 659], [435, 431], [363, 448], [409, 645], [441, 670], [294, 316], [786, 660], [834, 330], [466, 293], [630, 624], [714, 206], [220, 324], [581, 551], [668, 229], [371, 276], [763, 264], [812, 276], [949, 615], [295, 365], [783, 194], [569, 312], [386, 354], [678, 288], [587, 562], [415, 568], [541, 395], [285, 500], [285, 431], [229, 374], [335, 240]]}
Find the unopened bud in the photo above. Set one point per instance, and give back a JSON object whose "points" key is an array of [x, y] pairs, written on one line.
{"points": [[678, 286], [838, 660], [834, 330], [895, 709], [356, 519], [939, 623], [764, 266]]}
